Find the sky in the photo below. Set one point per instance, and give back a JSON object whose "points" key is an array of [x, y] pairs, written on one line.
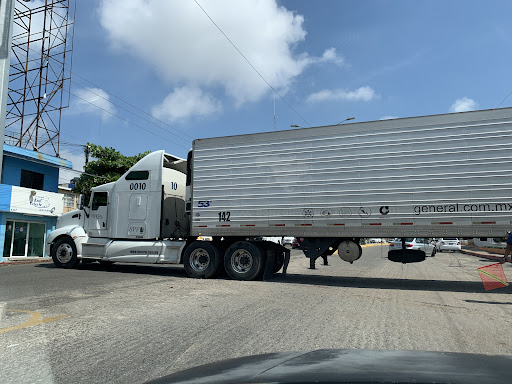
{"points": [[152, 74]]}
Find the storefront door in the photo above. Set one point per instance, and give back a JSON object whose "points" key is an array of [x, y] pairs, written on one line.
{"points": [[23, 238]]}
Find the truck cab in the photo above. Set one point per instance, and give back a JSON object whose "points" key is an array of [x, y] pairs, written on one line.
{"points": [[140, 217]]}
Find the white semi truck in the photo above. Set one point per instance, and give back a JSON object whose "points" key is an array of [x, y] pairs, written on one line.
{"points": [[432, 176]]}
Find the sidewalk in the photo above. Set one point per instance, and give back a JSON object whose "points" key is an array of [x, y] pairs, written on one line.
{"points": [[25, 260], [479, 253]]}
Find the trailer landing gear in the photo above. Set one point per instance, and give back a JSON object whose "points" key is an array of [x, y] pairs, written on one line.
{"points": [[314, 248]]}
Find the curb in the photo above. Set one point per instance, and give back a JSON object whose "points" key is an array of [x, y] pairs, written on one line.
{"points": [[9, 263], [372, 245], [489, 257]]}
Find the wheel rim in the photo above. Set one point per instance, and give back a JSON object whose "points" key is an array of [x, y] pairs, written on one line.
{"points": [[64, 253], [199, 260], [241, 261]]}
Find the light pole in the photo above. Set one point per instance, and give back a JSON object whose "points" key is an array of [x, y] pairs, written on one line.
{"points": [[6, 16], [347, 119]]}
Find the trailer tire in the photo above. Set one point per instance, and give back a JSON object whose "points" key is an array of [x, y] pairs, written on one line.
{"points": [[64, 253], [202, 260], [244, 261]]}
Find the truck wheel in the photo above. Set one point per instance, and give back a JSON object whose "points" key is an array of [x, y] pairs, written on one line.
{"points": [[64, 253], [244, 261], [202, 260]]}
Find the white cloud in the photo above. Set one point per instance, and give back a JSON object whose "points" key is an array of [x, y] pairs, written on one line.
{"points": [[92, 100], [360, 94], [185, 102], [179, 41], [77, 158], [388, 117], [78, 161], [463, 105]]}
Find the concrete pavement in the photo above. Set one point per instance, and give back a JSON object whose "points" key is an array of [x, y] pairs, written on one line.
{"points": [[133, 323]]}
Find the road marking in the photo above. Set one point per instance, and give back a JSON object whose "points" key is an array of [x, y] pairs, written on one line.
{"points": [[36, 318]]}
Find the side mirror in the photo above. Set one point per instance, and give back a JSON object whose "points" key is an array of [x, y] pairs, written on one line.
{"points": [[81, 202]]}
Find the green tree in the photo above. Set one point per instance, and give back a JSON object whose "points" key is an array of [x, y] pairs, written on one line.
{"points": [[109, 165]]}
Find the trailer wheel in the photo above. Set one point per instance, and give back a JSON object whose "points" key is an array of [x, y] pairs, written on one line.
{"points": [[244, 261], [202, 260], [64, 253]]}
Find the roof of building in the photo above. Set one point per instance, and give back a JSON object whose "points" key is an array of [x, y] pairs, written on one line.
{"points": [[30, 155]]}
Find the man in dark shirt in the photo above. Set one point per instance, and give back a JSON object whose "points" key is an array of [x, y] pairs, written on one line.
{"points": [[508, 250]]}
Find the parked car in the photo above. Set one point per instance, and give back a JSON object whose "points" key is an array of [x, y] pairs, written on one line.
{"points": [[375, 241], [424, 244], [445, 244], [288, 240]]}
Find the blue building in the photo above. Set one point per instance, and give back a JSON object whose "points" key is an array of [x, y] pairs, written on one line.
{"points": [[29, 202]]}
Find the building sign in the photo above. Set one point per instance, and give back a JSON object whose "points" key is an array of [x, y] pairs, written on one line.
{"points": [[31, 201]]}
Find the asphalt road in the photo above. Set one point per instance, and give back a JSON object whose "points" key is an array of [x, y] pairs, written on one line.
{"points": [[129, 324]]}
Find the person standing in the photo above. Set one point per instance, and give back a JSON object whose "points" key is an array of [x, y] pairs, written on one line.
{"points": [[508, 250]]}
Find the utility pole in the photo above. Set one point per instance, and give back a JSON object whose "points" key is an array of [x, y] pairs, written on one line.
{"points": [[6, 16]]}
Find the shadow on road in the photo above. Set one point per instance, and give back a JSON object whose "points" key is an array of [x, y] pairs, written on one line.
{"points": [[387, 283], [329, 281], [139, 269]]}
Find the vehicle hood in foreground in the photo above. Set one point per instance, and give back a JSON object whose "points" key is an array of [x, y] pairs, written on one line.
{"points": [[352, 366]]}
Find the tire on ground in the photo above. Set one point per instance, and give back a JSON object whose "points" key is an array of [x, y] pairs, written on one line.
{"points": [[64, 253], [202, 260], [244, 261]]}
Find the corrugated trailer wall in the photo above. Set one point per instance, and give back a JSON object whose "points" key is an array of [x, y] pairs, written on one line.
{"points": [[423, 176]]}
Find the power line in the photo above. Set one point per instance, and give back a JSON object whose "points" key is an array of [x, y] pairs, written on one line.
{"points": [[126, 120], [252, 66], [502, 101], [124, 101], [131, 105], [127, 110]]}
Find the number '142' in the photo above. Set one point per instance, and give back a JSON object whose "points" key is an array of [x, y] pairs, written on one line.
{"points": [[224, 216]]}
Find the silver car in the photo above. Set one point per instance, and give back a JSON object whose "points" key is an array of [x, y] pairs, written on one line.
{"points": [[451, 244], [423, 244]]}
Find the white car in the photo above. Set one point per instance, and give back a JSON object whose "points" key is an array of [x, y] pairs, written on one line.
{"points": [[423, 244], [288, 240], [445, 244], [375, 241]]}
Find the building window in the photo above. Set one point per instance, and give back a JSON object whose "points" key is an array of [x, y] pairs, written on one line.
{"points": [[31, 179], [24, 239], [69, 200]]}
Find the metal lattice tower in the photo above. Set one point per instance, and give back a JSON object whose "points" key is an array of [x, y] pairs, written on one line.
{"points": [[39, 77]]}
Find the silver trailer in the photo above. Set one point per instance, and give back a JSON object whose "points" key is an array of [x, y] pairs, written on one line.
{"points": [[431, 176], [442, 175]]}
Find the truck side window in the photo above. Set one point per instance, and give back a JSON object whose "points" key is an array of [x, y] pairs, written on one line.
{"points": [[137, 175], [99, 199]]}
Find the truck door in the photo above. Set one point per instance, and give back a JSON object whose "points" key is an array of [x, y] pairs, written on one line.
{"points": [[98, 220]]}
